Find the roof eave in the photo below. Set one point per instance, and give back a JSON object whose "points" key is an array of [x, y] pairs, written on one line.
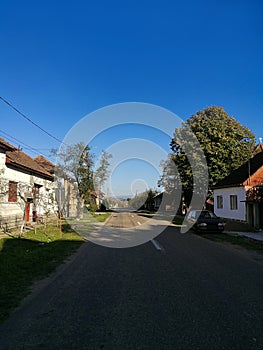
{"points": [[31, 171], [228, 186]]}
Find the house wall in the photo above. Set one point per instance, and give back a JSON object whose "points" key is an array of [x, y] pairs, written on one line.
{"points": [[66, 197], [11, 213], [2, 159], [70, 205], [226, 212]]}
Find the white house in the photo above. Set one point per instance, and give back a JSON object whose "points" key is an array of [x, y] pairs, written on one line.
{"points": [[26, 187], [231, 195], [66, 191]]}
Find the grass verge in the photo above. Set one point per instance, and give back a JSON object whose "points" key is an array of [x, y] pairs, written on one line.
{"points": [[30, 258], [101, 217], [244, 242], [178, 220]]}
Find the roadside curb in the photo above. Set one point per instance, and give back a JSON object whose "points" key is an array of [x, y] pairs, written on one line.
{"points": [[251, 235], [108, 218]]}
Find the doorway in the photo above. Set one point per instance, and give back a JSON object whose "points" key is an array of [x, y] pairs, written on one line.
{"points": [[27, 216]]}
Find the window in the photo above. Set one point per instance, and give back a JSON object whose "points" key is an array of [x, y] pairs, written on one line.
{"points": [[36, 190], [191, 214], [219, 202], [12, 191], [233, 202]]}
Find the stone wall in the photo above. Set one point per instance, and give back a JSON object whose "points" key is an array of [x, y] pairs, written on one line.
{"points": [[10, 221]]}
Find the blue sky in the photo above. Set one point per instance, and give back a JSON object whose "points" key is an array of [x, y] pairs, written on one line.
{"points": [[62, 60]]}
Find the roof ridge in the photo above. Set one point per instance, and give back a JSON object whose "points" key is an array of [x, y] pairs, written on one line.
{"points": [[239, 175], [6, 144], [17, 157], [20, 158]]}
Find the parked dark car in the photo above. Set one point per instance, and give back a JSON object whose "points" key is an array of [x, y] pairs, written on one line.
{"points": [[204, 221]]}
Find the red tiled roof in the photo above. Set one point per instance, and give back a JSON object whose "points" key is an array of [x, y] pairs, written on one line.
{"points": [[241, 174], [45, 163], [21, 160], [5, 145]]}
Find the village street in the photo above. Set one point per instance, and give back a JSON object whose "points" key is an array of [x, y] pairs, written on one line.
{"points": [[192, 294], [131, 130]]}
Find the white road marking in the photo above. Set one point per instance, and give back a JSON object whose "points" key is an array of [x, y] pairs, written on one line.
{"points": [[156, 244]]}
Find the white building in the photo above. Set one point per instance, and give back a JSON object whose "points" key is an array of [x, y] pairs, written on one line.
{"points": [[232, 198], [26, 187]]}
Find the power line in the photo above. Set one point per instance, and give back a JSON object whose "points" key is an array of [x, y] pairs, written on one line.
{"points": [[29, 120], [11, 138], [18, 142]]}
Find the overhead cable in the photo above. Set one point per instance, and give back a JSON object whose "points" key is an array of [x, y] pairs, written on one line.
{"points": [[29, 120]]}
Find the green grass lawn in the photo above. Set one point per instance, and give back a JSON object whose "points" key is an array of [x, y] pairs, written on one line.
{"points": [[30, 258], [101, 217], [90, 217], [88, 223]]}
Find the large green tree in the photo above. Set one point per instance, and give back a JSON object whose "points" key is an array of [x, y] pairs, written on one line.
{"points": [[225, 143], [78, 163]]}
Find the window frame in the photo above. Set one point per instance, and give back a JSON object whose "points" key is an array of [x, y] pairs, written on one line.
{"points": [[233, 202], [12, 192], [219, 201]]}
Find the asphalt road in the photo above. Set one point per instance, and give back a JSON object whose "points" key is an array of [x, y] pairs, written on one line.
{"points": [[192, 294], [125, 220], [122, 230]]}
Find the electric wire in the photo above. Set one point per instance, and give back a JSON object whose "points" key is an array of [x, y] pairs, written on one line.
{"points": [[11, 138], [31, 121]]}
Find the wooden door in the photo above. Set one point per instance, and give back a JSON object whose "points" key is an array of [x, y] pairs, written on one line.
{"points": [[27, 211]]}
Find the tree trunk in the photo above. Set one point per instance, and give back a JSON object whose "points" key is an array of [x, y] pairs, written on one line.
{"points": [[23, 221]]}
